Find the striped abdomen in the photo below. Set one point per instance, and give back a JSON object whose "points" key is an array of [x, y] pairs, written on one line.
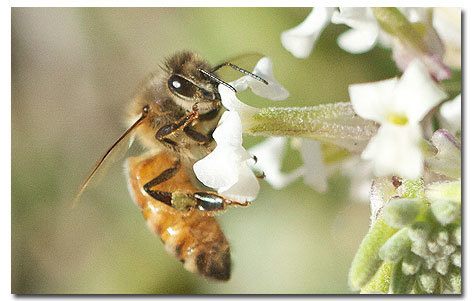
{"points": [[194, 237]]}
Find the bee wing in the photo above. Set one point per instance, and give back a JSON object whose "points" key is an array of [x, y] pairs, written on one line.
{"points": [[113, 154], [245, 61]]}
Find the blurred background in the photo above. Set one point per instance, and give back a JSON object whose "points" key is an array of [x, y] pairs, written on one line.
{"points": [[73, 72]]}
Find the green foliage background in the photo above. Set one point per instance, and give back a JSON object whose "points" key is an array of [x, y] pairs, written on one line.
{"points": [[73, 72]]}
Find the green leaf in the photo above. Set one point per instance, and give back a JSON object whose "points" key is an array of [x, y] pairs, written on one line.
{"points": [[428, 281], [367, 261], [420, 231], [411, 264], [412, 189], [457, 236], [334, 123], [454, 279], [401, 212], [401, 283], [457, 258], [446, 212], [396, 247], [380, 281], [444, 191]]}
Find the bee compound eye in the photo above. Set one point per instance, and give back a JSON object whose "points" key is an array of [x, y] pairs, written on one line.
{"points": [[181, 86], [176, 84]]}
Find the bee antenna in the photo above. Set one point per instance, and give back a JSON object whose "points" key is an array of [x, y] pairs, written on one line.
{"points": [[241, 70], [216, 79]]}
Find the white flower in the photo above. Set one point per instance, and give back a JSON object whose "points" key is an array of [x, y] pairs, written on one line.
{"points": [[231, 102], [432, 55], [270, 152], [447, 23], [226, 168], [273, 90], [451, 113], [314, 171], [269, 155], [364, 32], [399, 106], [264, 69], [300, 40]]}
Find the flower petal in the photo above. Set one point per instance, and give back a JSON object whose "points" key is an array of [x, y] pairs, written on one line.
{"points": [[315, 173], [395, 151], [447, 160], [372, 100], [229, 131], [269, 154], [245, 189], [221, 167], [225, 169], [273, 90], [355, 17], [218, 169], [357, 40], [232, 103], [416, 93], [264, 69], [300, 40], [451, 112]]}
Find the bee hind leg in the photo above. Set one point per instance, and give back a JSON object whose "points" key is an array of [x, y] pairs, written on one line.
{"points": [[162, 196], [211, 201]]}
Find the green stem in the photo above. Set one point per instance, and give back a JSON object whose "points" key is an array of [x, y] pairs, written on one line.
{"points": [[334, 123]]}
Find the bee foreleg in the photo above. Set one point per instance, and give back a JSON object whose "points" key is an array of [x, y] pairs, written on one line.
{"points": [[162, 196], [197, 136], [183, 122]]}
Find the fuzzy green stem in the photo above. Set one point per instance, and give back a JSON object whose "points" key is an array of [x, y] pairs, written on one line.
{"points": [[367, 261], [335, 123]]}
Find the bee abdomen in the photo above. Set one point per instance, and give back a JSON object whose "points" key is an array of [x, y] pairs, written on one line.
{"points": [[196, 240]]}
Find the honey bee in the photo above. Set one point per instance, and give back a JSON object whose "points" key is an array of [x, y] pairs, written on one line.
{"points": [[174, 115]]}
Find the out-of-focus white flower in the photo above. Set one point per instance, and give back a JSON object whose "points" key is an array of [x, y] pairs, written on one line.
{"points": [[447, 23], [364, 33], [300, 40], [360, 174], [398, 105], [269, 155], [270, 152], [226, 169], [314, 169], [451, 113], [264, 69], [432, 55]]}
